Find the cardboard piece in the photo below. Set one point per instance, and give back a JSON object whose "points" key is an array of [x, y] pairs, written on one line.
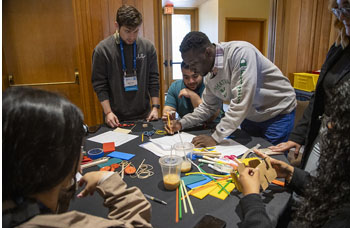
{"points": [[108, 147], [120, 155], [267, 172], [269, 152]]}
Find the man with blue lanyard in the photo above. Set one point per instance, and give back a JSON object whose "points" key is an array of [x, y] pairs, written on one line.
{"points": [[185, 95], [125, 72]]}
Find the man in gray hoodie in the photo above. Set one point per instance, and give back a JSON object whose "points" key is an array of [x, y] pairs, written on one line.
{"points": [[261, 98]]}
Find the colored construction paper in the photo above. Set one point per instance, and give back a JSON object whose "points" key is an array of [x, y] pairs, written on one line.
{"points": [[108, 147], [110, 162], [190, 179], [190, 186], [223, 194], [121, 155], [203, 193]]}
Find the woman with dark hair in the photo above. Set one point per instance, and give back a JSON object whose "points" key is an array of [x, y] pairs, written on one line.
{"points": [[327, 196], [335, 70], [42, 136]]}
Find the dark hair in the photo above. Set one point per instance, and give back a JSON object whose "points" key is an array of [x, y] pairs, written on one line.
{"points": [[197, 41], [128, 16], [42, 134], [185, 66], [329, 191]]}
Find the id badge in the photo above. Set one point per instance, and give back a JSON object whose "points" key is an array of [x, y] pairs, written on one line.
{"points": [[130, 83]]}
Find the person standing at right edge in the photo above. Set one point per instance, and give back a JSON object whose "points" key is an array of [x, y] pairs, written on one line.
{"points": [[334, 71], [125, 72]]}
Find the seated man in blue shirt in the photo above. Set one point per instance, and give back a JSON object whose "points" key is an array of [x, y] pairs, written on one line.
{"points": [[185, 95]]}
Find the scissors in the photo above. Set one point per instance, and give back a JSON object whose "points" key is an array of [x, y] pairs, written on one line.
{"points": [[230, 157], [148, 133]]}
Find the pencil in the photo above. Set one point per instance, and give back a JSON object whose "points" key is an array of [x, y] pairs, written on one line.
{"points": [[177, 206], [183, 198], [180, 209], [168, 120], [188, 198], [142, 137]]}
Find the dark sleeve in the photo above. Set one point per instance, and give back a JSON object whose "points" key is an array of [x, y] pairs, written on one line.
{"points": [[254, 212], [299, 133], [299, 181], [99, 77], [153, 86]]}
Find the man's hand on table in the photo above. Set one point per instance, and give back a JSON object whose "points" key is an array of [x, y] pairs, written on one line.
{"points": [[203, 141], [286, 146], [112, 120]]}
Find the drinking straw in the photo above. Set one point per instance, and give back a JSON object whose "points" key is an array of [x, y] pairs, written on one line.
{"points": [[224, 187], [177, 206], [182, 143], [183, 198], [215, 181], [188, 198], [180, 210]]}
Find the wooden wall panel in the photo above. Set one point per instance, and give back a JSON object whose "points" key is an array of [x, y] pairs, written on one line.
{"points": [[303, 35]]}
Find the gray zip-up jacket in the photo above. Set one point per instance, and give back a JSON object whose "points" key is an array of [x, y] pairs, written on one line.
{"points": [[256, 89], [108, 80]]}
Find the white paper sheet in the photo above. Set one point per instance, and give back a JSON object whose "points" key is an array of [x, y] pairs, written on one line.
{"points": [[111, 136], [162, 146], [166, 142]]}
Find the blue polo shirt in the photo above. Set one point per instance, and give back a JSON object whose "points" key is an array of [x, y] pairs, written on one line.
{"points": [[182, 105]]}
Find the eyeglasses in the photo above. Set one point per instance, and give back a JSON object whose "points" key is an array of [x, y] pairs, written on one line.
{"points": [[338, 11]]}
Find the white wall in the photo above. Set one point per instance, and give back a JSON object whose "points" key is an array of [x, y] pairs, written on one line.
{"points": [[209, 19]]}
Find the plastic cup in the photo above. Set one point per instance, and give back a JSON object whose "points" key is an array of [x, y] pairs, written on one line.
{"points": [[184, 150], [171, 169]]}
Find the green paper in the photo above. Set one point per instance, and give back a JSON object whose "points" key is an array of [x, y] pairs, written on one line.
{"points": [[190, 179], [110, 162]]}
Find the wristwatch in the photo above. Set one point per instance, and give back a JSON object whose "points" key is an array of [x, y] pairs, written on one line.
{"points": [[156, 106]]}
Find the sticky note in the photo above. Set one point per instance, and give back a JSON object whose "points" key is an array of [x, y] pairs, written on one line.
{"points": [[190, 179], [110, 162], [223, 194], [108, 147], [190, 186], [121, 155]]}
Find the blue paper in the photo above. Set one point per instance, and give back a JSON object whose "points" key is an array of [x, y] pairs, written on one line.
{"points": [[207, 180], [190, 179], [121, 155]]}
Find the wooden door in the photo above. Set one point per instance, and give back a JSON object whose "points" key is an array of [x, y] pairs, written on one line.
{"points": [[39, 46], [250, 30]]}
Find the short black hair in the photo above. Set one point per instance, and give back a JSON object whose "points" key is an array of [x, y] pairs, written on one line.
{"points": [[185, 66], [42, 134], [128, 16], [195, 40]]}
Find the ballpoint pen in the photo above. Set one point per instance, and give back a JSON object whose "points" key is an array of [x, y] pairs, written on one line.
{"points": [[155, 199]]}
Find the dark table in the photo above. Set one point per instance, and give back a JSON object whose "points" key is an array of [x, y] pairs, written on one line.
{"points": [[275, 197]]}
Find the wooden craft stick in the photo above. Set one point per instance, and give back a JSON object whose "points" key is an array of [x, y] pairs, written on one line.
{"points": [[188, 198], [183, 198]]}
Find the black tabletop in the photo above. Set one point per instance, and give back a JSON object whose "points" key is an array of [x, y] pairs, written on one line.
{"points": [[275, 197]]}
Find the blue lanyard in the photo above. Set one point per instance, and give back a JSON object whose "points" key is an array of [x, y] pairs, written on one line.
{"points": [[123, 58]]}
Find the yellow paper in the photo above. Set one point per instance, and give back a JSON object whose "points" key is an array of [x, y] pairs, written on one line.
{"points": [[203, 193], [222, 194], [122, 130]]}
